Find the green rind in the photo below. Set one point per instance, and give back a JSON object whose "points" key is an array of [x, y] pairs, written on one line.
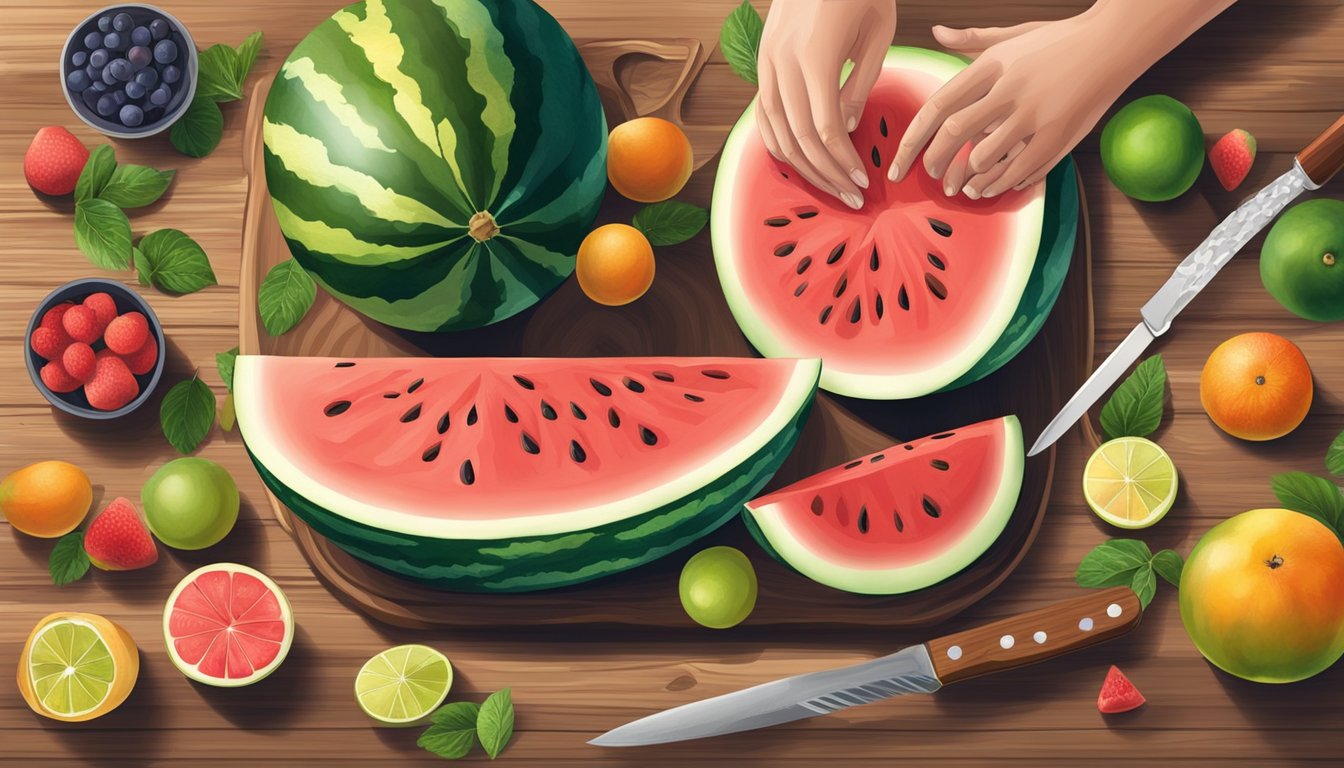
{"points": [[526, 564]]}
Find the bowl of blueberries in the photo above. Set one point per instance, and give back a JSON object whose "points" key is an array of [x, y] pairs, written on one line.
{"points": [[129, 70]]}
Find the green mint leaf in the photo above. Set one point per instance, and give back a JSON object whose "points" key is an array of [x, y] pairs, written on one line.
{"points": [[198, 131], [174, 262], [1312, 496], [1135, 409], [97, 172], [1144, 584], [494, 725], [1112, 563], [285, 296], [224, 364], [740, 40], [103, 233], [453, 732], [670, 222], [1168, 564], [186, 414], [247, 54], [1334, 458], [69, 562], [135, 186], [141, 265], [218, 67]]}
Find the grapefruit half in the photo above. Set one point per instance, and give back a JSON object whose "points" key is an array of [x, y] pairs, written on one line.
{"points": [[227, 625]]}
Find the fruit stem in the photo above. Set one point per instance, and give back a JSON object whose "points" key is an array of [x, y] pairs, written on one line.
{"points": [[482, 226], [1329, 259], [1274, 562]]}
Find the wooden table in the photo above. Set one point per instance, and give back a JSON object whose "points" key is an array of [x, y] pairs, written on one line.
{"points": [[1273, 68]]}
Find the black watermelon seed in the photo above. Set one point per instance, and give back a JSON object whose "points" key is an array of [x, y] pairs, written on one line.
{"points": [[576, 452], [784, 249], [882, 126], [873, 261], [877, 458], [841, 285], [803, 264], [694, 398], [663, 376], [940, 465], [877, 306], [853, 464], [443, 423], [936, 286], [931, 507], [777, 221], [807, 214], [632, 385], [471, 416], [941, 227], [414, 386], [529, 444], [345, 365], [863, 519], [824, 316], [578, 412], [411, 415], [801, 287], [836, 253], [937, 262], [647, 435], [337, 408], [785, 175], [466, 473], [432, 452], [909, 446], [547, 412], [714, 373], [524, 382], [613, 418], [855, 311], [903, 298], [391, 395], [510, 415], [600, 388], [877, 158], [900, 524], [818, 506], [943, 436]]}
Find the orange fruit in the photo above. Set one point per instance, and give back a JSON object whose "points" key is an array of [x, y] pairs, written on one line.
{"points": [[615, 264], [48, 499], [648, 159], [77, 666], [1256, 386]]}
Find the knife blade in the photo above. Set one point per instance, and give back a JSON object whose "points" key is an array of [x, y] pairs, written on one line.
{"points": [[925, 668], [1312, 168]]}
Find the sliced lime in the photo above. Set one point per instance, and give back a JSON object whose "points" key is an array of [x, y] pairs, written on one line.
{"points": [[403, 685], [1130, 482], [70, 667]]}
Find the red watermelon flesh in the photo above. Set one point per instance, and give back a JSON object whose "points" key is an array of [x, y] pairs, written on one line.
{"points": [[1118, 694], [229, 625]]}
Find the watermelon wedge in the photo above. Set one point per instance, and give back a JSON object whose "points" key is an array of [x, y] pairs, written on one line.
{"points": [[227, 625], [899, 520], [517, 474]]}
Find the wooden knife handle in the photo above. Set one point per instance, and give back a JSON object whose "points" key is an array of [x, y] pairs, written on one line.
{"points": [[1324, 157], [1036, 636]]}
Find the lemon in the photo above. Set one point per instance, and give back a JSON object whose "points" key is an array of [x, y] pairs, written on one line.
{"points": [[77, 666], [403, 685], [1130, 482]]}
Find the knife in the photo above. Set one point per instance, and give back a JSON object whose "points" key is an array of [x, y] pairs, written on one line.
{"points": [[1312, 168], [1008, 644]]}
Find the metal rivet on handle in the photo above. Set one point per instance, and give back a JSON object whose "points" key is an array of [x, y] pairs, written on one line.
{"points": [[1006, 642], [1085, 624], [1114, 610], [1039, 637], [954, 652]]}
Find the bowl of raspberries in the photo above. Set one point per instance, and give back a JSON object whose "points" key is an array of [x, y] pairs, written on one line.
{"points": [[95, 349]]}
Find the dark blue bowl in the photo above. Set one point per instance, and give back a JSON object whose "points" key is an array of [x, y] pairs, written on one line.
{"points": [[126, 300]]}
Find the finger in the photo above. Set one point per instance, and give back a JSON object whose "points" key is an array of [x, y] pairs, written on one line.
{"points": [[955, 175], [821, 169], [831, 131], [958, 129], [1041, 173], [768, 112], [992, 148], [868, 55], [970, 85], [975, 40], [792, 154], [981, 181], [1038, 151]]}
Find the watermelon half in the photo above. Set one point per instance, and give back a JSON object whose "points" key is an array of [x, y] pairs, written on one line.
{"points": [[914, 293], [902, 519], [518, 474], [435, 164]]}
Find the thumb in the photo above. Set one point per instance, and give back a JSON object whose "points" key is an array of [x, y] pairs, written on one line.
{"points": [[868, 58], [975, 40]]}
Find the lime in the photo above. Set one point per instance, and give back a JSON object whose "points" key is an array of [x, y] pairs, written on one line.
{"points": [[1302, 261], [403, 685], [1130, 482], [70, 668], [190, 503], [718, 587], [1153, 148]]}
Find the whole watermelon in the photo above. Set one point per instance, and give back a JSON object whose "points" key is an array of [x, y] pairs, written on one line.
{"points": [[435, 163]]}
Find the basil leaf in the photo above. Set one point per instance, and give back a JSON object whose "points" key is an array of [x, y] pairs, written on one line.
{"points": [[453, 732], [135, 186], [103, 233], [97, 172], [186, 414], [1168, 564], [141, 265], [1334, 457], [1312, 496], [1144, 584], [740, 40], [1135, 409], [198, 131], [218, 67], [247, 54], [224, 362], [175, 263], [285, 296], [1112, 563], [494, 725], [670, 222], [68, 562]]}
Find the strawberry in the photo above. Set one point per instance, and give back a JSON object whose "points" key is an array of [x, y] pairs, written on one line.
{"points": [[126, 334], [112, 385], [52, 317], [117, 539], [54, 161], [143, 359], [1118, 694], [77, 360], [81, 324], [1231, 158], [57, 380], [104, 308], [49, 343]]}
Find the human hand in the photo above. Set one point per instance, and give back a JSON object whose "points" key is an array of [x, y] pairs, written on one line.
{"points": [[804, 114]]}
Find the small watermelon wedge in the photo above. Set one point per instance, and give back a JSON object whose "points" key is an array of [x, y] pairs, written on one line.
{"points": [[1118, 694], [227, 625]]}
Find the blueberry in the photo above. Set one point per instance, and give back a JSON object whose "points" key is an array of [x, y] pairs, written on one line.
{"points": [[161, 95], [165, 51], [98, 87], [113, 41], [79, 58], [139, 56], [78, 80], [121, 69], [98, 58], [141, 36], [131, 116], [90, 98], [95, 74], [118, 97], [147, 78], [171, 74], [105, 105], [104, 23], [93, 40], [135, 90], [108, 77], [123, 22], [159, 29]]}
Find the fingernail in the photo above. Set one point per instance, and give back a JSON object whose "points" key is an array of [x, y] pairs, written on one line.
{"points": [[852, 200], [859, 178], [949, 189], [894, 172], [935, 173], [972, 192], [852, 124]]}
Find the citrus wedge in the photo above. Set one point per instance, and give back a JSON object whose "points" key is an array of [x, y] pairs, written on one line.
{"points": [[403, 685], [1130, 482], [77, 666]]}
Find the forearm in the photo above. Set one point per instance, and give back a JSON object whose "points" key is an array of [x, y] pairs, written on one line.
{"points": [[1137, 33]]}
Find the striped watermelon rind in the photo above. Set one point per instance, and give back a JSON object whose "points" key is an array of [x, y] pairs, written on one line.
{"points": [[396, 124]]}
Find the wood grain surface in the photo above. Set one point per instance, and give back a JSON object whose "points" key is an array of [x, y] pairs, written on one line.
{"points": [[1271, 67]]}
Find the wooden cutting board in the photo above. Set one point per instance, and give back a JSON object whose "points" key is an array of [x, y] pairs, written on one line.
{"points": [[683, 314]]}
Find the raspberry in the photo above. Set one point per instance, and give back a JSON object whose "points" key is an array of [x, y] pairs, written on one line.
{"points": [[56, 379], [127, 333], [48, 343], [81, 324], [52, 317], [104, 308], [112, 385], [78, 361], [142, 360]]}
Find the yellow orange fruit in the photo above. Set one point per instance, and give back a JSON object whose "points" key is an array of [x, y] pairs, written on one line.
{"points": [[648, 159], [48, 499], [1256, 386], [77, 666], [615, 264]]}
